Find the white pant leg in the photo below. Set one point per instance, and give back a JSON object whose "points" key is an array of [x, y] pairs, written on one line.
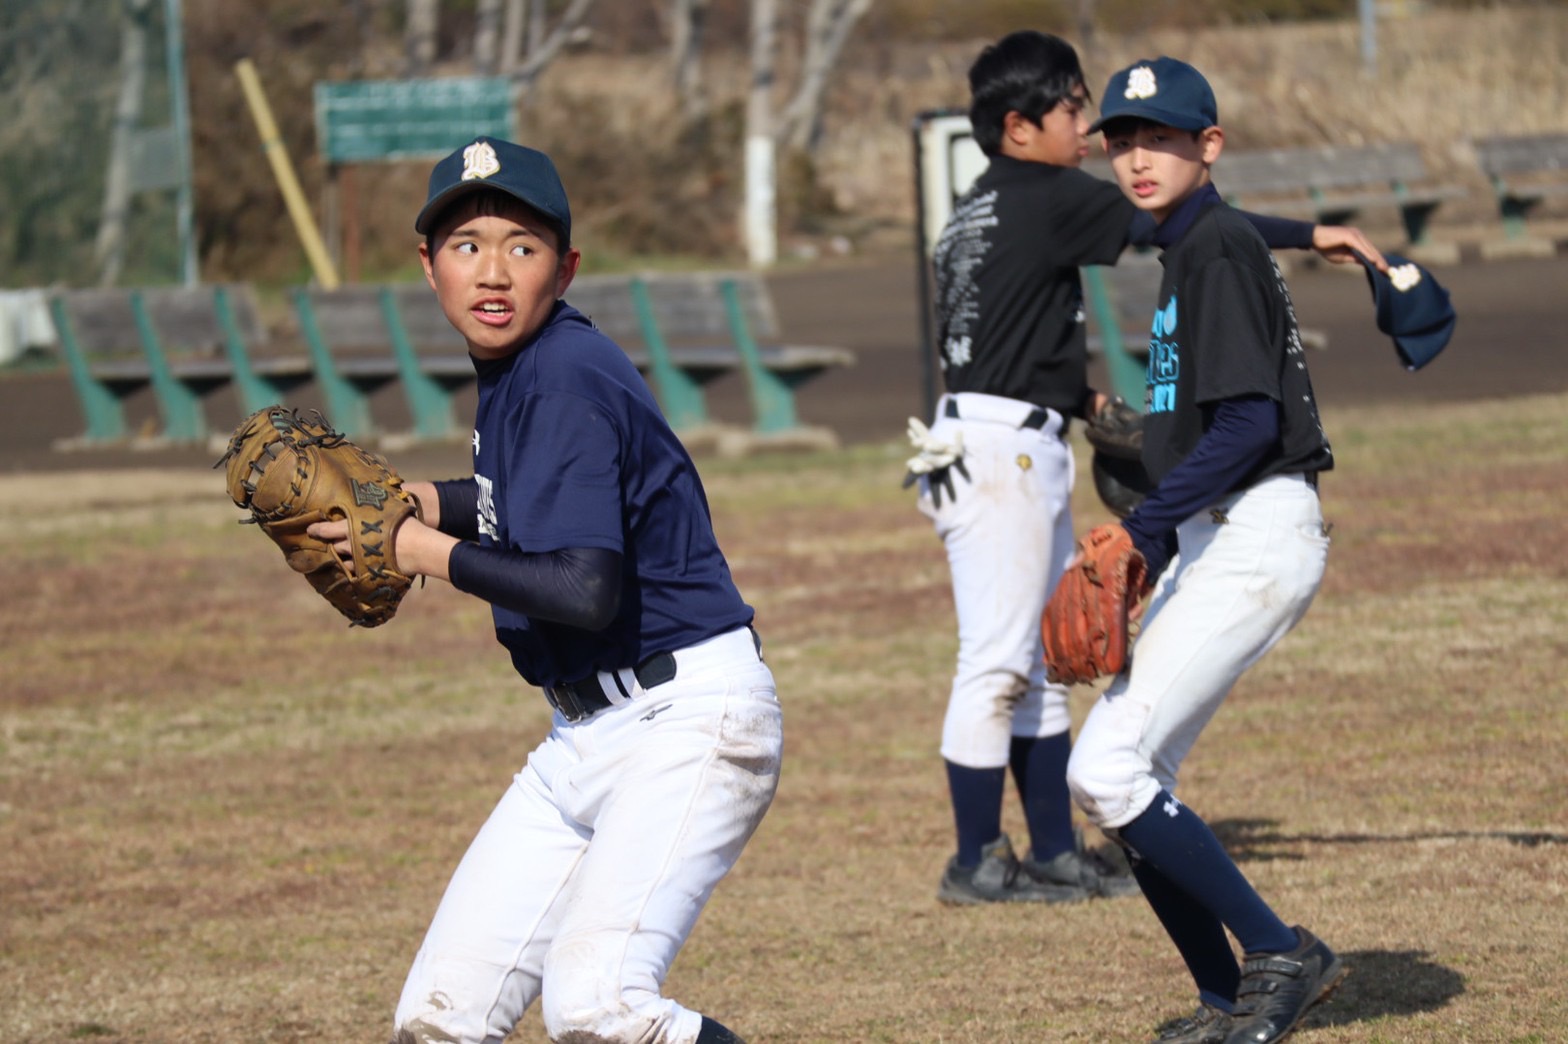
{"points": [[1008, 531], [482, 960], [1236, 588], [667, 789]]}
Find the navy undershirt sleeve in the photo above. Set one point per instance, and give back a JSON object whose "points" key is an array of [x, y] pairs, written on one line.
{"points": [[1238, 437], [1281, 233], [459, 501], [1278, 233], [576, 586]]}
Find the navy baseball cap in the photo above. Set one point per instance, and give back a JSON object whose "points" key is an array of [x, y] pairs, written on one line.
{"points": [[1412, 308], [1164, 90], [490, 163]]}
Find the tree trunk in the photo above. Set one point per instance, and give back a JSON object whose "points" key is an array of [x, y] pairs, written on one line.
{"points": [[419, 36], [512, 35], [760, 218], [109, 246], [487, 35], [688, 18], [827, 30]]}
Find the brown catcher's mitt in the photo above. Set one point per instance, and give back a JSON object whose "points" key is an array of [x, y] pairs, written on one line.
{"points": [[1085, 625], [290, 472]]}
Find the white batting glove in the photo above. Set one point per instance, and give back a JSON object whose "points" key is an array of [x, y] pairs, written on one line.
{"points": [[932, 454]]}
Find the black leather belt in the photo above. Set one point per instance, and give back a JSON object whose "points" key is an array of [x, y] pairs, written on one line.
{"points": [[1034, 422], [580, 699]]}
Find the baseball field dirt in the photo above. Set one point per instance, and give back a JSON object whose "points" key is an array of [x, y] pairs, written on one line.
{"points": [[226, 816]]}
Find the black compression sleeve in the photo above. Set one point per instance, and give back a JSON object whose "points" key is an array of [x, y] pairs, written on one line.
{"points": [[459, 500], [1281, 233], [576, 586]]}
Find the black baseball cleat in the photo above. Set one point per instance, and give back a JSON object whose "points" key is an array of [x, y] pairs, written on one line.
{"points": [[1089, 871], [1206, 1025], [1000, 878], [1277, 989]]}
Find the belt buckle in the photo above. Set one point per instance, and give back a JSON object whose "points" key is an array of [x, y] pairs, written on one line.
{"points": [[565, 700]]}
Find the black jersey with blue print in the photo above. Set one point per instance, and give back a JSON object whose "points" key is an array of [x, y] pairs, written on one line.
{"points": [[1225, 328]]}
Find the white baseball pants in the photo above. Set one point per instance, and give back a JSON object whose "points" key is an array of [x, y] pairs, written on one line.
{"points": [[1008, 530], [1246, 572], [589, 875]]}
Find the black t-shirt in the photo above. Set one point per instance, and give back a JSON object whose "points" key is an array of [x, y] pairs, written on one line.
{"points": [[1009, 300], [1224, 328]]}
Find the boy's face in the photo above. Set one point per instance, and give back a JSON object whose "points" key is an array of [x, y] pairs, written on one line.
{"points": [[1157, 166], [495, 268], [1061, 138]]}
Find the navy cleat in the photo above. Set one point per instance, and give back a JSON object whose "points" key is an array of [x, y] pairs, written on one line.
{"points": [[1277, 989], [1206, 1025]]}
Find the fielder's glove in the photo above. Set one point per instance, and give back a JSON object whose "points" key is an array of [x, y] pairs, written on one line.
{"points": [[1116, 433], [934, 460], [1086, 625], [290, 472]]}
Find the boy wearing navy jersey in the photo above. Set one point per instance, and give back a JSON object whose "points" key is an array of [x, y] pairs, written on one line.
{"points": [[1234, 531], [995, 470], [586, 527]]}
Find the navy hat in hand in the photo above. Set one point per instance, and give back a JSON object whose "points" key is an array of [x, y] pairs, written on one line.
{"points": [[1164, 90], [490, 163], [1412, 308]]}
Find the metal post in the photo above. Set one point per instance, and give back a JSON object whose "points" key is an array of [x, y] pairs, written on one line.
{"points": [[1368, 11]]}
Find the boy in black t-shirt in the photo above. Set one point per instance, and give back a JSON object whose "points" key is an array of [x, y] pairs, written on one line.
{"points": [[1234, 531], [995, 470]]}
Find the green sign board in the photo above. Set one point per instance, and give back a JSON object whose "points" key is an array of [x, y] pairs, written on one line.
{"points": [[366, 120]]}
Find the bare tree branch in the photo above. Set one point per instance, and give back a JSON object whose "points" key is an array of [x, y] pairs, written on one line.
{"points": [[828, 27], [487, 34], [539, 57]]}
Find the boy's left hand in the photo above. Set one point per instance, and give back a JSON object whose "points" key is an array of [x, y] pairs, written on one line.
{"points": [[1341, 243]]}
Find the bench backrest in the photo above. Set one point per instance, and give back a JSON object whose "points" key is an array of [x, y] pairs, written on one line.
{"points": [[1522, 154], [691, 308], [607, 300], [185, 320], [1323, 167]]}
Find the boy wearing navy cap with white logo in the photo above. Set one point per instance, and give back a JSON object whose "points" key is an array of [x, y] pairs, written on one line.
{"points": [[1234, 532], [586, 527]]}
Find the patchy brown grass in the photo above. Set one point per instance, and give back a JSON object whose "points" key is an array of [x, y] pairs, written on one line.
{"points": [[224, 816]]}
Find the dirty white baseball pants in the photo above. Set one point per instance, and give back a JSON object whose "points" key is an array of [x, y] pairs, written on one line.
{"points": [[1246, 572], [589, 875], [1008, 530]]}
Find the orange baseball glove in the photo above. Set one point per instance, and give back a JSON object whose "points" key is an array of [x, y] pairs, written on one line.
{"points": [[1086, 625]]}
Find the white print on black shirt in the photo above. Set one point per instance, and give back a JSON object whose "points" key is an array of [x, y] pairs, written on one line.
{"points": [[1294, 355], [487, 524], [959, 251]]}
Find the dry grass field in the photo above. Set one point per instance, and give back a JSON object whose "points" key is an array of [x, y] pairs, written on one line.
{"points": [[225, 817]]}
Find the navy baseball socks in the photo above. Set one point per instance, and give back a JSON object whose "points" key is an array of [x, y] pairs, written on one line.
{"points": [[713, 1033], [987, 870], [1196, 891]]}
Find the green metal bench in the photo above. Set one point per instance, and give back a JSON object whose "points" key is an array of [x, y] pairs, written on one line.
{"points": [[182, 342], [1524, 171], [1334, 184]]}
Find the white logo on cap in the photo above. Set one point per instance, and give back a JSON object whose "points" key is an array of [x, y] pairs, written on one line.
{"points": [[1140, 83], [1404, 277], [479, 161]]}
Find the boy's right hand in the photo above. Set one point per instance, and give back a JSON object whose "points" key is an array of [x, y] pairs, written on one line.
{"points": [[1341, 243]]}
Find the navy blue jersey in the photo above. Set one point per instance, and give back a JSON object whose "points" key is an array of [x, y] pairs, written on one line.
{"points": [[571, 451]]}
